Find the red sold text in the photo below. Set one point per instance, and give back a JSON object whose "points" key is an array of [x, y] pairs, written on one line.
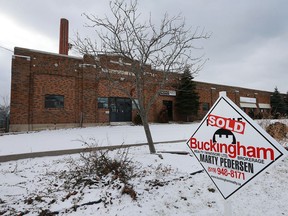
{"points": [[232, 150], [226, 123]]}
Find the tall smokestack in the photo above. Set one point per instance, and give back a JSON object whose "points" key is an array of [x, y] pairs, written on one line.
{"points": [[63, 42]]}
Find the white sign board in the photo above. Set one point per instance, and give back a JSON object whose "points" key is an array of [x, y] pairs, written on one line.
{"points": [[231, 147]]}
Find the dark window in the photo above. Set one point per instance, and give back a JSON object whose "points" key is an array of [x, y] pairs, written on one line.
{"points": [[205, 106], [54, 101], [102, 103]]}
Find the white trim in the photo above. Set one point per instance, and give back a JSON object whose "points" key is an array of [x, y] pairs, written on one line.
{"points": [[120, 62], [248, 105], [50, 53], [88, 65], [264, 106], [247, 100], [28, 58]]}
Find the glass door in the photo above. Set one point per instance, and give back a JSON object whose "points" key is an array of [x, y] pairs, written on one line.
{"points": [[120, 109]]}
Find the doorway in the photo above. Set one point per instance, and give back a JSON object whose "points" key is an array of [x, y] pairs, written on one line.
{"points": [[169, 106], [120, 109]]}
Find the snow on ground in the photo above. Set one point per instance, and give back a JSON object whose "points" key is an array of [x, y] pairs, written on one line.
{"points": [[164, 186]]}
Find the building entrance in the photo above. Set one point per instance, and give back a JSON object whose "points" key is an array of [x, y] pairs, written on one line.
{"points": [[169, 106], [120, 109]]}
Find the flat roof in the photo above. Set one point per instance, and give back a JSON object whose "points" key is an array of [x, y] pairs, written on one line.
{"points": [[48, 53]]}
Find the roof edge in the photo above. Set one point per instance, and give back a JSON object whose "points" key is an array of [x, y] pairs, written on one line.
{"points": [[49, 53]]}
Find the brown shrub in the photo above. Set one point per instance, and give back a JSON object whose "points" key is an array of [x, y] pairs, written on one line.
{"points": [[277, 130]]}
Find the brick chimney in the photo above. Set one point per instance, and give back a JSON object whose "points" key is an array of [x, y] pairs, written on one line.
{"points": [[63, 41]]}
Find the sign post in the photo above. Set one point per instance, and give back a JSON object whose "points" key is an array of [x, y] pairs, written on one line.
{"points": [[231, 147]]}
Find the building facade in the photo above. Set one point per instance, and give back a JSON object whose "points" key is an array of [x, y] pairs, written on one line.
{"points": [[51, 91], [56, 90]]}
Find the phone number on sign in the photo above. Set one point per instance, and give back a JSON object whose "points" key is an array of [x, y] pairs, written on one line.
{"points": [[227, 172]]}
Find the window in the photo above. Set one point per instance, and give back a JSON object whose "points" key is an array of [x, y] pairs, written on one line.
{"points": [[133, 104], [102, 103], [54, 101], [205, 106]]}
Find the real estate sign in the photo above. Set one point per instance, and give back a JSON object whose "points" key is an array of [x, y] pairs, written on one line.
{"points": [[231, 147]]}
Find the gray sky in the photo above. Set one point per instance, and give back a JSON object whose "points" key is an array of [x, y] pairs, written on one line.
{"points": [[248, 46]]}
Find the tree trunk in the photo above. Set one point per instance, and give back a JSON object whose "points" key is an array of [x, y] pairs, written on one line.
{"points": [[148, 135]]}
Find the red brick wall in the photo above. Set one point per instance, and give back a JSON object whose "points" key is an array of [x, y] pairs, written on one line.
{"points": [[20, 90], [43, 74], [209, 92], [45, 84]]}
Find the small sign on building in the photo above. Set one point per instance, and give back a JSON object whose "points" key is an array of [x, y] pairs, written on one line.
{"points": [[167, 93], [231, 147]]}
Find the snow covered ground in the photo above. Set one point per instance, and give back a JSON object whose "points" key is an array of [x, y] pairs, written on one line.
{"points": [[169, 186], [104, 135]]}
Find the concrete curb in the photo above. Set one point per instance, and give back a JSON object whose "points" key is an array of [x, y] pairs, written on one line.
{"points": [[6, 158]]}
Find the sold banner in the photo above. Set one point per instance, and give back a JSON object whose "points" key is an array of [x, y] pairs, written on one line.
{"points": [[231, 147]]}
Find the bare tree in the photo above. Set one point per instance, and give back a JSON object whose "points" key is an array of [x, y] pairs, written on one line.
{"points": [[155, 52], [4, 112]]}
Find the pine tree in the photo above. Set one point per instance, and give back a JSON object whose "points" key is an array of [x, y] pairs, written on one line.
{"points": [[277, 103], [187, 99], [286, 103]]}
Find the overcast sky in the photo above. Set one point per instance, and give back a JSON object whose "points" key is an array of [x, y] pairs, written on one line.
{"points": [[248, 46]]}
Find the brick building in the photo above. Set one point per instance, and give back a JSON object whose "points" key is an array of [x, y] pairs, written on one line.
{"points": [[56, 90], [254, 102], [50, 90]]}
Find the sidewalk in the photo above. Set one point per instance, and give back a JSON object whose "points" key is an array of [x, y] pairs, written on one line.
{"points": [[67, 141], [12, 157]]}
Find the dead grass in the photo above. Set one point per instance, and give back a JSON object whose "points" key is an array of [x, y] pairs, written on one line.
{"points": [[277, 130]]}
